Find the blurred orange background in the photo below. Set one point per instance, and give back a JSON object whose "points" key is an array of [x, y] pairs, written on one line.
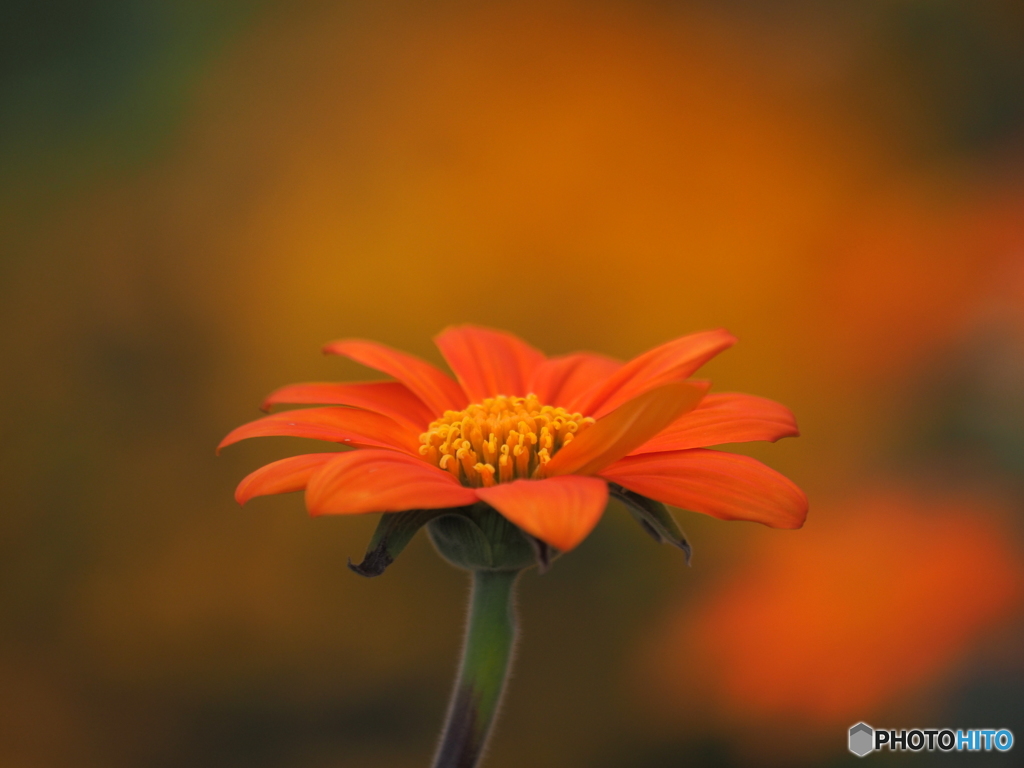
{"points": [[193, 198]]}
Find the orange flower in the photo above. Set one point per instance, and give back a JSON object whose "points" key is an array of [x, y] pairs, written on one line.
{"points": [[538, 439], [887, 596]]}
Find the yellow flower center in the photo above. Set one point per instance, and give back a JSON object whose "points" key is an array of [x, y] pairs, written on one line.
{"points": [[499, 440]]}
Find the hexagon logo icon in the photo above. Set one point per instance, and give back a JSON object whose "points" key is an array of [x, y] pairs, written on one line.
{"points": [[862, 737]]}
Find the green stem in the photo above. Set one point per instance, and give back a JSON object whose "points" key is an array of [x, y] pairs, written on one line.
{"points": [[486, 658]]}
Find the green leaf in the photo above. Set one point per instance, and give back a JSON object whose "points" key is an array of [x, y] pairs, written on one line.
{"points": [[653, 517]]}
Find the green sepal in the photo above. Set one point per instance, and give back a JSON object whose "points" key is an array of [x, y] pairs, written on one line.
{"points": [[480, 538], [543, 552], [394, 531], [653, 517]]}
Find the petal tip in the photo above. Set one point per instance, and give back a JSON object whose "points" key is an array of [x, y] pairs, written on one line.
{"points": [[782, 435], [244, 493], [802, 519], [229, 439], [337, 346], [799, 514]]}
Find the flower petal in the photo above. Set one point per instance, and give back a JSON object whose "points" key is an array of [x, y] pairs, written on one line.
{"points": [[625, 429], [561, 380], [391, 398], [724, 485], [558, 510], [359, 482], [488, 362], [284, 476], [678, 359], [434, 388], [725, 418], [348, 426]]}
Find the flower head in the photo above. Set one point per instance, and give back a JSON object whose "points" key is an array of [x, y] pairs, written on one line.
{"points": [[541, 440]]}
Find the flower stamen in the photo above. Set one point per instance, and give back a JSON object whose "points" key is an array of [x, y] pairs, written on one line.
{"points": [[502, 439]]}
